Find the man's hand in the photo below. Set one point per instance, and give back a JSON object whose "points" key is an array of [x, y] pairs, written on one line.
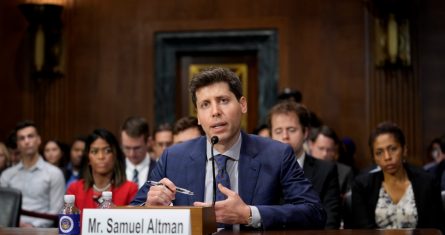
{"points": [[161, 195], [230, 211]]}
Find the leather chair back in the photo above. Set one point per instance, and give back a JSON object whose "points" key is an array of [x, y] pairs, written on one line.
{"points": [[10, 206]]}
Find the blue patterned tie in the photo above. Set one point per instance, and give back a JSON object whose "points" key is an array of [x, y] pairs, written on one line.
{"points": [[135, 176], [222, 177]]}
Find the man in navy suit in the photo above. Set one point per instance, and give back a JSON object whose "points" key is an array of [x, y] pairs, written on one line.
{"points": [[267, 187]]}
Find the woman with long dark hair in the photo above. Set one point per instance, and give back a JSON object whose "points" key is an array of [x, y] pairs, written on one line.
{"points": [[103, 169]]}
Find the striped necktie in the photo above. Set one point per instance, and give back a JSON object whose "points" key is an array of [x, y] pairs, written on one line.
{"points": [[222, 177], [135, 176]]}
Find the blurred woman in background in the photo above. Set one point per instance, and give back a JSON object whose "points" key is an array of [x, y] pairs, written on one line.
{"points": [[102, 170], [399, 195], [4, 157], [56, 153], [437, 167], [77, 152]]}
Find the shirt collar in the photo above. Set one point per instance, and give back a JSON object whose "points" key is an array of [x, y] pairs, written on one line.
{"points": [[233, 152], [300, 159], [40, 164], [141, 165]]}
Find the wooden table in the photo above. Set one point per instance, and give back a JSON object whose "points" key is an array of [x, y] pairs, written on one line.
{"points": [[342, 232], [54, 231]]}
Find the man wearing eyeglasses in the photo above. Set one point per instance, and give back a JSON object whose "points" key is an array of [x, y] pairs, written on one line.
{"points": [[134, 141]]}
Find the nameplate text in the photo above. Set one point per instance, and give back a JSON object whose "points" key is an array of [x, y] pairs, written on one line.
{"points": [[136, 221]]}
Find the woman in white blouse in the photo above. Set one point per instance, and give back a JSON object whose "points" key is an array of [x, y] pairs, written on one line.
{"points": [[398, 195]]}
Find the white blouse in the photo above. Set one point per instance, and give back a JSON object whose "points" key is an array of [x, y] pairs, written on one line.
{"points": [[400, 215]]}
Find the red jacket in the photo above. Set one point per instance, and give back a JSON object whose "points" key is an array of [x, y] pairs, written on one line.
{"points": [[122, 195]]}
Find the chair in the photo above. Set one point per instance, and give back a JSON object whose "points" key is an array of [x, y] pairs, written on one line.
{"points": [[11, 203], [40, 215]]}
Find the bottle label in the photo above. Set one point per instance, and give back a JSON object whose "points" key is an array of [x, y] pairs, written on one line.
{"points": [[69, 224]]}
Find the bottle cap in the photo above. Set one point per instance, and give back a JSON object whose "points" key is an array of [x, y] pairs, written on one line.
{"points": [[107, 194], [69, 198]]}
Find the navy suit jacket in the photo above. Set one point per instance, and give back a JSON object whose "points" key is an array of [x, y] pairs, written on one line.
{"points": [[150, 169], [268, 175]]}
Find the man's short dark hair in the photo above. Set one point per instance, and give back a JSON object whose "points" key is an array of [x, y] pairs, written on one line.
{"points": [[213, 75], [162, 127], [136, 127], [326, 131], [24, 124], [286, 107], [185, 123]]}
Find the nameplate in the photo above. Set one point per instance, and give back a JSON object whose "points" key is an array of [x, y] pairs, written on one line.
{"points": [[136, 221]]}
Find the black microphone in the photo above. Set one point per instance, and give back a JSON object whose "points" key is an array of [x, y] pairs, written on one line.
{"points": [[214, 140]]}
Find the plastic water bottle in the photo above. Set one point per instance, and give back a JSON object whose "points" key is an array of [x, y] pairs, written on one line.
{"points": [[69, 217], [107, 202]]}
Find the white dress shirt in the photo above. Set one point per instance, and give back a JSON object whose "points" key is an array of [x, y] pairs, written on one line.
{"points": [[232, 169], [300, 159], [142, 168]]}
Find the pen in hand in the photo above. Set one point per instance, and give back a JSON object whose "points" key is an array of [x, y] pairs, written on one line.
{"points": [[178, 189]]}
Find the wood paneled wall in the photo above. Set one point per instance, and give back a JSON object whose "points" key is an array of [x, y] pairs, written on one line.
{"points": [[431, 27], [109, 57], [394, 96]]}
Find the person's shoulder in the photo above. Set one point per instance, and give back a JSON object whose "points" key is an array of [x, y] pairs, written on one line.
{"points": [[326, 166], [127, 188], [263, 148], [430, 166], [8, 172], [76, 185], [187, 145], [263, 142], [368, 177], [53, 170], [129, 184], [343, 167], [418, 172], [322, 164]]}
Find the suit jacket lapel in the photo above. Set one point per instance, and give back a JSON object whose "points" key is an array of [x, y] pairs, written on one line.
{"points": [[150, 168], [196, 171], [248, 169]]}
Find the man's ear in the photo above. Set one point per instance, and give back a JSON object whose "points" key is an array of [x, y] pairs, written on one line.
{"points": [[243, 103], [306, 133], [39, 140]]}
